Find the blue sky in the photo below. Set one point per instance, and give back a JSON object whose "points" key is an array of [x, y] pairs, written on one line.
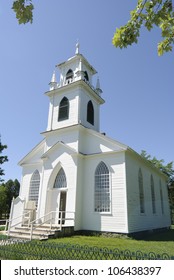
{"points": [[137, 84]]}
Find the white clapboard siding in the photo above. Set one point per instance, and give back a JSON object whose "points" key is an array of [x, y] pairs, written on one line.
{"points": [[144, 221], [116, 220]]}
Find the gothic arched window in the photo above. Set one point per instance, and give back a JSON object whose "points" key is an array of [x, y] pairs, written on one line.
{"points": [[69, 75], [86, 76], [141, 192], [153, 195], [34, 187], [60, 181], [161, 197], [63, 109], [102, 188], [90, 113]]}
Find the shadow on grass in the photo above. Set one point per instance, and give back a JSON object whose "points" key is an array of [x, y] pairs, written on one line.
{"points": [[163, 235]]}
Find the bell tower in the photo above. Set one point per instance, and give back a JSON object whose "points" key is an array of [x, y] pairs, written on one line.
{"points": [[74, 100]]}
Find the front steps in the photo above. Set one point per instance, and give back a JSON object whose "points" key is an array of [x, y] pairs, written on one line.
{"points": [[41, 232]]}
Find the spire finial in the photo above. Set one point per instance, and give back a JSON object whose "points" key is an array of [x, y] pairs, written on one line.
{"points": [[77, 47], [53, 83], [98, 89], [53, 79]]}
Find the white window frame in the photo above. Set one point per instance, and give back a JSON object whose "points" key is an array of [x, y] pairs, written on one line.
{"points": [[60, 180], [152, 185], [141, 192], [161, 198], [34, 187], [102, 189]]}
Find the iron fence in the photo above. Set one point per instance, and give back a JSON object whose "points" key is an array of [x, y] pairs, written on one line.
{"points": [[35, 250]]}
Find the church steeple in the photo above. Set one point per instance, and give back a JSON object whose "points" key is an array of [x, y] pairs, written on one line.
{"points": [[78, 66], [74, 100]]}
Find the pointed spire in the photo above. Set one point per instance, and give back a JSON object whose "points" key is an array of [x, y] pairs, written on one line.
{"points": [[98, 89], [53, 79], [53, 83], [77, 47], [98, 83]]}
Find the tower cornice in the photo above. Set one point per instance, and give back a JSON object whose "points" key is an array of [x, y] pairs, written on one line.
{"points": [[75, 84]]}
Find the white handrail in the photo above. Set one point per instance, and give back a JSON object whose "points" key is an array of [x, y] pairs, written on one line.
{"points": [[32, 227], [32, 224], [8, 223]]}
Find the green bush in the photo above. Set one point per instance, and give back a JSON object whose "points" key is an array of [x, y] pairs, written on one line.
{"points": [[2, 228]]}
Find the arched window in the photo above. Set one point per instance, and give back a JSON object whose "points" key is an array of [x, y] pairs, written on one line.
{"points": [[153, 195], [90, 112], [34, 187], [141, 191], [102, 188], [69, 75], [60, 181], [86, 76], [63, 109], [161, 197]]}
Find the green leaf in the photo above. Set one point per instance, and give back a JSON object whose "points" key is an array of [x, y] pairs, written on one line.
{"points": [[23, 10], [148, 13]]}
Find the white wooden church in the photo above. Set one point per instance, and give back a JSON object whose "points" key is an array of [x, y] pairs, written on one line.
{"points": [[80, 177]]}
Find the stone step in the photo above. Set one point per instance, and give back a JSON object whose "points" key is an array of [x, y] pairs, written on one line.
{"points": [[54, 226], [27, 237], [41, 232], [35, 233], [38, 230]]}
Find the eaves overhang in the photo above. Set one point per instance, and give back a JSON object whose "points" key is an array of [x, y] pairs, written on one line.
{"points": [[38, 147], [105, 138], [146, 162]]}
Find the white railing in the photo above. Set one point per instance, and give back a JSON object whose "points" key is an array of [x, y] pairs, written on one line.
{"points": [[91, 86], [69, 81], [49, 218], [53, 219], [9, 222]]}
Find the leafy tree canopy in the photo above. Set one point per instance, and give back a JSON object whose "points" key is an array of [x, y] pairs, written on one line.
{"points": [[12, 190], [166, 169], [23, 10], [3, 200], [148, 13], [8, 190], [2, 158]]}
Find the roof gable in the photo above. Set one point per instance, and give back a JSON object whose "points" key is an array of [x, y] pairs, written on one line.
{"points": [[93, 142], [55, 146], [34, 155]]}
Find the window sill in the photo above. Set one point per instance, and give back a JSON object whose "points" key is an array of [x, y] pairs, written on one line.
{"points": [[103, 213], [142, 214]]}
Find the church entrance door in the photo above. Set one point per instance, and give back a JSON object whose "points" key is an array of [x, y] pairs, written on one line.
{"points": [[62, 207]]}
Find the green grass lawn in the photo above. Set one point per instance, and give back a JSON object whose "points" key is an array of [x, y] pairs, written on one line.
{"points": [[160, 242]]}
